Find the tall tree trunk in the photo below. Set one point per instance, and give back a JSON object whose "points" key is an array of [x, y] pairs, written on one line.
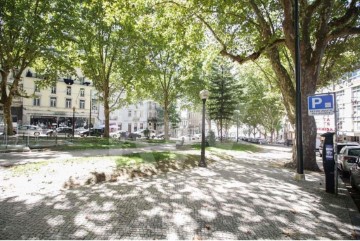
{"points": [[308, 122], [6, 100], [166, 121], [7, 116], [106, 109]]}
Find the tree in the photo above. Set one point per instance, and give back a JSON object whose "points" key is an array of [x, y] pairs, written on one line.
{"points": [[106, 45], [262, 105], [248, 30], [174, 117], [31, 35], [171, 57], [225, 93]]}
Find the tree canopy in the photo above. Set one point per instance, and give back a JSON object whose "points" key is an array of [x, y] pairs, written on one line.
{"points": [[31, 35]]}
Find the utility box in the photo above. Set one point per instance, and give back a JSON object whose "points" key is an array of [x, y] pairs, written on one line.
{"points": [[329, 161]]}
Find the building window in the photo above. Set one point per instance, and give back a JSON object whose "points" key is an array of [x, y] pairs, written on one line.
{"points": [[120, 126], [37, 88], [141, 126], [82, 92], [135, 113], [68, 90], [129, 127], [53, 101], [53, 89], [129, 113], [135, 127], [68, 103], [356, 123], [82, 104], [36, 101]]}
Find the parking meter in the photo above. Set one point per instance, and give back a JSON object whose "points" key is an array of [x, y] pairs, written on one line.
{"points": [[329, 161]]}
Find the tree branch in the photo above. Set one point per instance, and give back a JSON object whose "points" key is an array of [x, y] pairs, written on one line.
{"points": [[253, 56], [351, 12], [338, 33]]}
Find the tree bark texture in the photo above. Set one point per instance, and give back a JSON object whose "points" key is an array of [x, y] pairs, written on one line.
{"points": [[6, 101], [106, 108]]}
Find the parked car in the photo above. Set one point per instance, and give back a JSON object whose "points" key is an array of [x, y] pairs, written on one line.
{"points": [[118, 134], [347, 157], [152, 133], [339, 146], [134, 135], [355, 174], [261, 141], [93, 132], [162, 136], [29, 130], [60, 131]]}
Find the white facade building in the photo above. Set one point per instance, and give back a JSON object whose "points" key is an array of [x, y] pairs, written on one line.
{"points": [[134, 117], [348, 106]]}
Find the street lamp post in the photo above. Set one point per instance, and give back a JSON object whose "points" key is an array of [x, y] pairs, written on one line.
{"points": [[73, 123], [204, 94], [89, 126]]}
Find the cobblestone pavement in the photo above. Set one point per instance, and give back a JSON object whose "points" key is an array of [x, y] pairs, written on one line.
{"points": [[240, 196]]}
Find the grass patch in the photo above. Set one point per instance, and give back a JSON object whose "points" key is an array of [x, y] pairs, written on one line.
{"points": [[238, 147], [230, 146], [28, 168], [137, 159], [146, 164], [157, 141], [97, 143]]}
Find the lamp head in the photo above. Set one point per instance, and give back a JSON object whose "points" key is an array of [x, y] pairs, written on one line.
{"points": [[204, 94]]}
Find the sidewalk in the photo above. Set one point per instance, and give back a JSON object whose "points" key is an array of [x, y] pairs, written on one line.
{"points": [[243, 197]]}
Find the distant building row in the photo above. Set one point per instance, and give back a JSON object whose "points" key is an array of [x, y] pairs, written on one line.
{"points": [[75, 96]]}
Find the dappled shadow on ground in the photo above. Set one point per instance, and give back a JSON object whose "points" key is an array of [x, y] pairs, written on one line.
{"points": [[237, 199]]}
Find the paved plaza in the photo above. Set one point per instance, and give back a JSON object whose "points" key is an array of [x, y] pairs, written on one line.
{"points": [[242, 196]]}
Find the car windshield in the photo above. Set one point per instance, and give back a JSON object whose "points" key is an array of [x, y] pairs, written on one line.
{"points": [[339, 147], [354, 152]]}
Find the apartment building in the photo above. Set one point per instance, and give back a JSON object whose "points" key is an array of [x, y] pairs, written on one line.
{"points": [[190, 123], [134, 117], [347, 91], [56, 105]]}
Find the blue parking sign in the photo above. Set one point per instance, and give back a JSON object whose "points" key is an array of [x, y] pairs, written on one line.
{"points": [[321, 104]]}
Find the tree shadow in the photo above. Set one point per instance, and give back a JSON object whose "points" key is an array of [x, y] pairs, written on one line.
{"points": [[237, 199]]}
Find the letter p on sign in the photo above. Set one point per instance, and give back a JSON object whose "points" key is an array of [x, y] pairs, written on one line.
{"points": [[315, 101]]}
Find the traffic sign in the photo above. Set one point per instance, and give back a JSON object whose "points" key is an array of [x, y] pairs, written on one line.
{"points": [[321, 104]]}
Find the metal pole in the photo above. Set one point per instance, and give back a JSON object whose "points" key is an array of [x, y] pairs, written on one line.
{"points": [[335, 145], [202, 162], [56, 129], [299, 142], [90, 113]]}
